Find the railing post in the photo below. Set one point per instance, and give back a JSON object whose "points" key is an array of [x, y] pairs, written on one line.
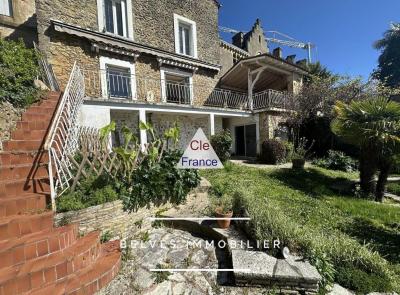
{"points": [[51, 179]]}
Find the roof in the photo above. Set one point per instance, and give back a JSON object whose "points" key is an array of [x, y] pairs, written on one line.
{"points": [[125, 46], [234, 48], [275, 72]]}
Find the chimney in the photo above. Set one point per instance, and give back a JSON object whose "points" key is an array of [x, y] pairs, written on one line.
{"points": [[277, 52], [302, 63], [291, 58], [237, 39]]}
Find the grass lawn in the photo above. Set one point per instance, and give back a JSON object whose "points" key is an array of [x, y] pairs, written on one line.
{"points": [[394, 188], [360, 238]]}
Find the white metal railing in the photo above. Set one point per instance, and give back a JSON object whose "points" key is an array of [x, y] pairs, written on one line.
{"points": [[62, 138], [106, 85], [271, 99], [228, 99]]}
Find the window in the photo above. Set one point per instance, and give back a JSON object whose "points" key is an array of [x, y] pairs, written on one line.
{"points": [[119, 83], [177, 86], [115, 16], [185, 36], [117, 78], [6, 7]]}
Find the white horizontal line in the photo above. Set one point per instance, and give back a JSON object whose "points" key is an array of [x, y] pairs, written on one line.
{"points": [[198, 269], [199, 218]]}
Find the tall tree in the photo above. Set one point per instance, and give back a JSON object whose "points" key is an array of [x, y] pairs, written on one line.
{"points": [[388, 70], [373, 125]]}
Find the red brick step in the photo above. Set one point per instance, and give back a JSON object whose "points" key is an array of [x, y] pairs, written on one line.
{"points": [[17, 251], [91, 279], [28, 135], [24, 204], [33, 125], [23, 172], [39, 272], [19, 187], [8, 158], [18, 225]]}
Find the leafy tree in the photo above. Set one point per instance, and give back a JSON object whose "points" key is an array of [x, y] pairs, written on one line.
{"points": [[388, 70], [374, 126]]}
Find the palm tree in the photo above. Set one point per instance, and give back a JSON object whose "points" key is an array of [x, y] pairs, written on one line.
{"points": [[374, 126]]}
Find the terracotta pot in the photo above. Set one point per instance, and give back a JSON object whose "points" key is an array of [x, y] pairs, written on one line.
{"points": [[298, 163], [223, 223]]}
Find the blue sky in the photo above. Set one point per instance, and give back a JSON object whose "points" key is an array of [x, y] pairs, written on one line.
{"points": [[343, 30]]}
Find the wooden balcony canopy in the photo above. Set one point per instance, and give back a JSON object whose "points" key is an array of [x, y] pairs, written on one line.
{"points": [[265, 71]]}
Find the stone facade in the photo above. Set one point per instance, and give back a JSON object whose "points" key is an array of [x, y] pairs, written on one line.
{"points": [[253, 41], [269, 123], [154, 24], [21, 23]]}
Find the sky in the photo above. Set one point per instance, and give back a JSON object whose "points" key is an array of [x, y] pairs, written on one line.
{"points": [[342, 30]]}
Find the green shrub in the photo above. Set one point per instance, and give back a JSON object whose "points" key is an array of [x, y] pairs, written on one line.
{"points": [[273, 152], [158, 183], [70, 202], [18, 70], [91, 192], [221, 143], [394, 188], [289, 149], [337, 160]]}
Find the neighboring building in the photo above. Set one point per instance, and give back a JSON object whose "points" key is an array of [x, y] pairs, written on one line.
{"points": [[162, 61], [18, 20]]}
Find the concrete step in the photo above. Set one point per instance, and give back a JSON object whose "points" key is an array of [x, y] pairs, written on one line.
{"points": [[91, 279], [256, 268], [14, 172], [21, 187], [18, 251], [23, 204], [18, 225], [37, 273]]}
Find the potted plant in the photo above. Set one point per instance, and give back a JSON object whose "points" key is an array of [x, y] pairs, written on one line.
{"points": [[300, 153], [223, 209]]}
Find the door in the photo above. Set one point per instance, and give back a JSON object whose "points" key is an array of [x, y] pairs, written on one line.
{"points": [[240, 141], [251, 140]]}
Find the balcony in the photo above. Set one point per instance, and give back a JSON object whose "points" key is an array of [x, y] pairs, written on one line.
{"points": [[119, 84]]}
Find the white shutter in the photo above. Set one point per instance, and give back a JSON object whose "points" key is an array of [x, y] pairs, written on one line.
{"points": [[5, 7]]}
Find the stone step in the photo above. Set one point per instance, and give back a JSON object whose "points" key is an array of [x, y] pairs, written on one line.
{"points": [[28, 135], [292, 274], [17, 251], [18, 225], [23, 171], [8, 158], [91, 279], [20, 187], [21, 205], [37, 273]]}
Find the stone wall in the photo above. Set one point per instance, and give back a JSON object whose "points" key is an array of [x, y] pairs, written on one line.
{"points": [[9, 116], [22, 23], [269, 122], [110, 217]]}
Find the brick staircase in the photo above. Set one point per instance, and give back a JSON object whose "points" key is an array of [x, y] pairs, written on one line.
{"points": [[35, 257]]}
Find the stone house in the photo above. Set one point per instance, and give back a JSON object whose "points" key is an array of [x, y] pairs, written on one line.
{"points": [[18, 20], [162, 61]]}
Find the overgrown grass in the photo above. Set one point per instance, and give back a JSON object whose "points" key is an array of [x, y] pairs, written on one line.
{"points": [[358, 238]]}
